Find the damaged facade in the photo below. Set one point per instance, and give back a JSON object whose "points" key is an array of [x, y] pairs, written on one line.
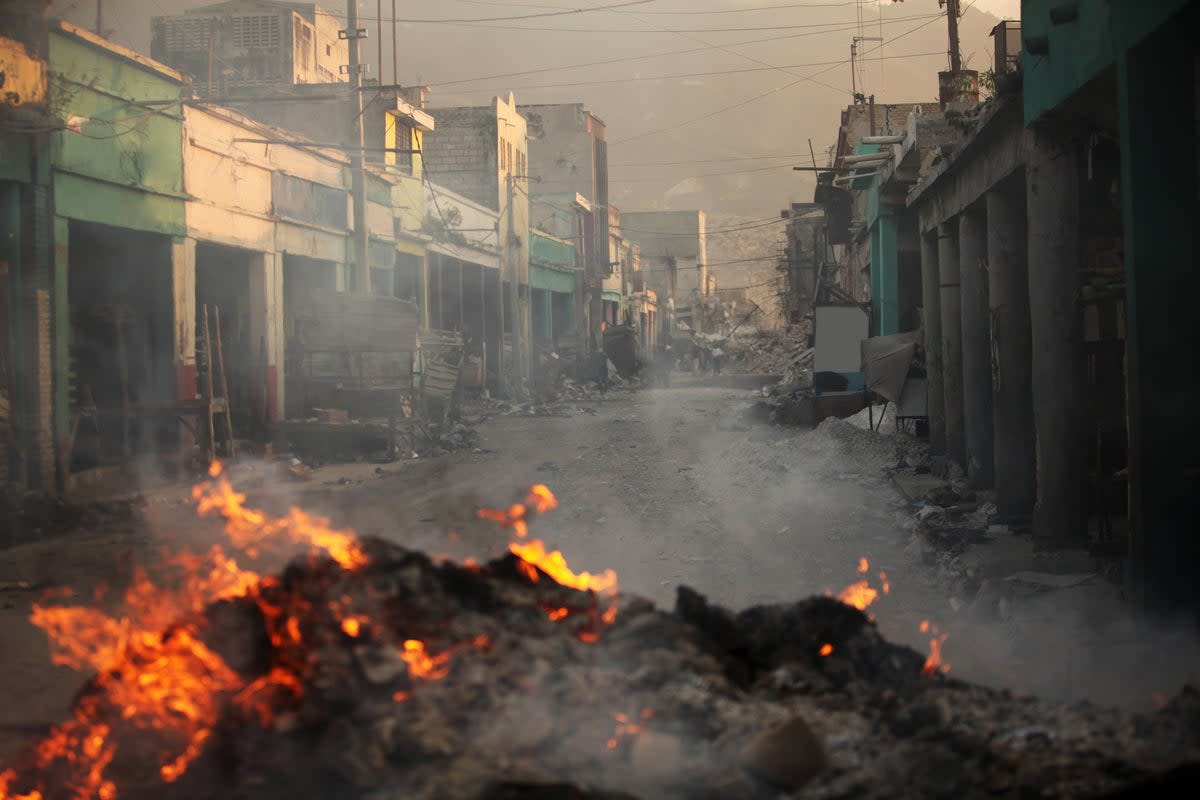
{"points": [[145, 200], [1039, 255]]}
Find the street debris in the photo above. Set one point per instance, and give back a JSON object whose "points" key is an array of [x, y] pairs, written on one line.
{"points": [[371, 671]]}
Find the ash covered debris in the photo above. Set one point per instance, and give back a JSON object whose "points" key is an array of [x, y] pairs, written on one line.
{"points": [[405, 678]]}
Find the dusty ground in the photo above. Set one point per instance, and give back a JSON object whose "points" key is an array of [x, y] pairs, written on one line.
{"points": [[667, 486]]}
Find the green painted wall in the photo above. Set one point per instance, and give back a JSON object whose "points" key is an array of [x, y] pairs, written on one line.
{"points": [[551, 263], [123, 162], [1079, 50], [551, 280]]}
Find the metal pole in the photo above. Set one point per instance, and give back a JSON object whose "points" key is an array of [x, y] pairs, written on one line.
{"points": [[379, 34], [510, 253], [362, 264], [395, 53], [99, 17], [853, 78], [952, 24]]}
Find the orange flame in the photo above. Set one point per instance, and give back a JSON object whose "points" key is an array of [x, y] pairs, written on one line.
{"points": [[863, 566], [422, 665], [554, 564], [538, 500], [249, 529], [885, 584], [860, 595], [826, 649], [352, 626], [933, 662]]}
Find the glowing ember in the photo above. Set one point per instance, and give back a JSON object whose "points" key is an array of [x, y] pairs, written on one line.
{"points": [[863, 566], [422, 665], [933, 662], [885, 585], [625, 728], [826, 649], [860, 595], [352, 626]]}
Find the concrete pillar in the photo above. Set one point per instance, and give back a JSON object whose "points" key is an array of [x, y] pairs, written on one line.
{"points": [[1052, 197], [875, 259], [888, 287], [58, 336], [931, 315], [266, 332], [183, 291], [976, 346], [1012, 394], [952, 354]]}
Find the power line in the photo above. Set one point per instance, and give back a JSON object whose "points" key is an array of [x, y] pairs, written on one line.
{"points": [[627, 59], [829, 27], [713, 73], [654, 178], [560, 13], [840, 4], [709, 161], [776, 90]]}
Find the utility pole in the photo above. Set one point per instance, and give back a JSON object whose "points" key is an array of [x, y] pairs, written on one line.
{"points": [[99, 17], [511, 252], [952, 24], [358, 187]]}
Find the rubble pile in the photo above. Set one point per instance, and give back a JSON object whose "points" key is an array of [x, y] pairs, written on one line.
{"points": [[784, 352], [397, 677]]}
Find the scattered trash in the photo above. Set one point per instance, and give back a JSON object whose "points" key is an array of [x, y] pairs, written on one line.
{"points": [[299, 471], [929, 511], [1050, 580]]}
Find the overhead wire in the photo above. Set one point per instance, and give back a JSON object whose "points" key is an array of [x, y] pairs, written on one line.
{"points": [[708, 74]]}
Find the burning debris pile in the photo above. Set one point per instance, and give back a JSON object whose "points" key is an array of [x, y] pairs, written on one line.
{"points": [[367, 670]]}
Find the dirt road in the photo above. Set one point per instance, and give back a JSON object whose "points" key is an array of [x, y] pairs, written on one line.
{"points": [[666, 486]]}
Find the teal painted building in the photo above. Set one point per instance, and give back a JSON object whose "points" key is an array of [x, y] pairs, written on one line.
{"points": [[555, 288], [893, 252], [1124, 76]]}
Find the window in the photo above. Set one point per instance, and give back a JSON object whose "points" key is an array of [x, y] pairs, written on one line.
{"points": [[183, 33], [259, 31]]}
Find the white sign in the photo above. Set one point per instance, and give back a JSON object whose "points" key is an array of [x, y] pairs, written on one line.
{"points": [[839, 332]]}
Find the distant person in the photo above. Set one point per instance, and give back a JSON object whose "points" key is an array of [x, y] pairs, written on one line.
{"points": [[599, 362], [718, 355]]}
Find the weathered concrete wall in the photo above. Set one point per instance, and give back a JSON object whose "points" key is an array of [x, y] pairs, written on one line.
{"points": [[1012, 394], [994, 152], [952, 354], [1052, 197], [463, 154], [931, 299], [561, 149]]}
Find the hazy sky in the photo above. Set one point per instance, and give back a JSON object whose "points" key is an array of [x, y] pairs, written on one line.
{"points": [[708, 102]]}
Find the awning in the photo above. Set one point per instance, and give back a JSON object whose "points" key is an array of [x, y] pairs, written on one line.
{"points": [[886, 360], [467, 254]]}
